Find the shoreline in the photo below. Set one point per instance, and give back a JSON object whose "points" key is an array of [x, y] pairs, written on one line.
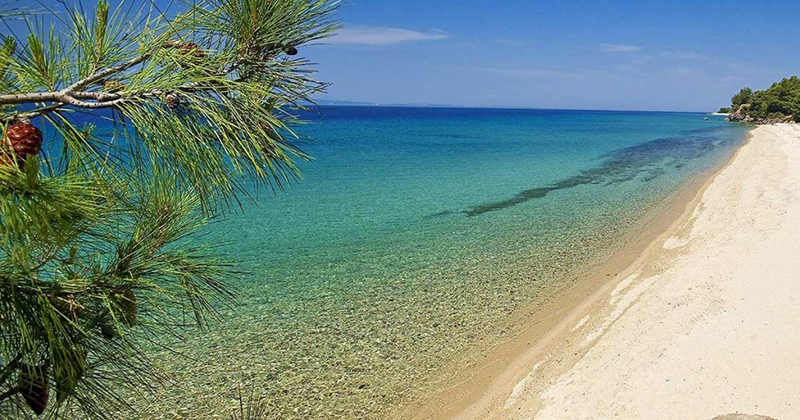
{"points": [[484, 387], [705, 326]]}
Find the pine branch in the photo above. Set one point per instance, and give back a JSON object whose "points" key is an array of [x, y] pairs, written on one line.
{"points": [[103, 74], [69, 95], [97, 234]]}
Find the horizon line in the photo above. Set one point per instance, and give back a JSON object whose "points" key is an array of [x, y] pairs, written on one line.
{"points": [[522, 108]]}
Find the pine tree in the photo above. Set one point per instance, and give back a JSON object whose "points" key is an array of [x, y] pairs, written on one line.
{"points": [[97, 248]]}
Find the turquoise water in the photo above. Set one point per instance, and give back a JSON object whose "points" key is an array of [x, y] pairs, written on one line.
{"points": [[413, 236]]}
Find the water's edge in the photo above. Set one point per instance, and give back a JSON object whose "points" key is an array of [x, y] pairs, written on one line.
{"points": [[468, 386]]}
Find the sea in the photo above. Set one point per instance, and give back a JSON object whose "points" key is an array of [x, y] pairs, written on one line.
{"points": [[413, 241]]}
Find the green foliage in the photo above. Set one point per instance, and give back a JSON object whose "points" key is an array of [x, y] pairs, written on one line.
{"points": [[780, 101], [98, 254], [743, 97]]}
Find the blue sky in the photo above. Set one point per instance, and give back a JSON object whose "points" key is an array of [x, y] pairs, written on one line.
{"points": [[586, 54], [579, 54]]}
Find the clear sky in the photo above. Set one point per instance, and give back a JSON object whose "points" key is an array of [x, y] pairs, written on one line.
{"points": [[587, 54]]}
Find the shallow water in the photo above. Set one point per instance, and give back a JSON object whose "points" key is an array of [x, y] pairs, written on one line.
{"points": [[413, 236]]}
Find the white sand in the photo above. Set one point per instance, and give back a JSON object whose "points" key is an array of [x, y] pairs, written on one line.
{"points": [[707, 325]]}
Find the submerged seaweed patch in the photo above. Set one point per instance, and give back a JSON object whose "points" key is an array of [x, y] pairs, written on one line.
{"points": [[624, 165]]}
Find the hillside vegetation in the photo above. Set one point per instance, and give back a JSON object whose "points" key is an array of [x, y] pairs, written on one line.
{"points": [[779, 103]]}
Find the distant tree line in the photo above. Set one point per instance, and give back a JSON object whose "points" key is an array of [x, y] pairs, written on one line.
{"points": [[779, 103]]}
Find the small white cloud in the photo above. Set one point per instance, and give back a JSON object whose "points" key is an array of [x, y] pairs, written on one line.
{"points": [[619, 48], [378, 36]]}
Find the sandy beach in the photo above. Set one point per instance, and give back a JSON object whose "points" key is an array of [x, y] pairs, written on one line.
{"points": [[705, 323]]}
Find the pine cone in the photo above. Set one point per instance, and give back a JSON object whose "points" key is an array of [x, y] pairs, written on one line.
{"points": [[172, 100], [192, 48], [192, 54], [113, 86], [291, 51], [108, 330], [34, 387], [24, 139]]}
